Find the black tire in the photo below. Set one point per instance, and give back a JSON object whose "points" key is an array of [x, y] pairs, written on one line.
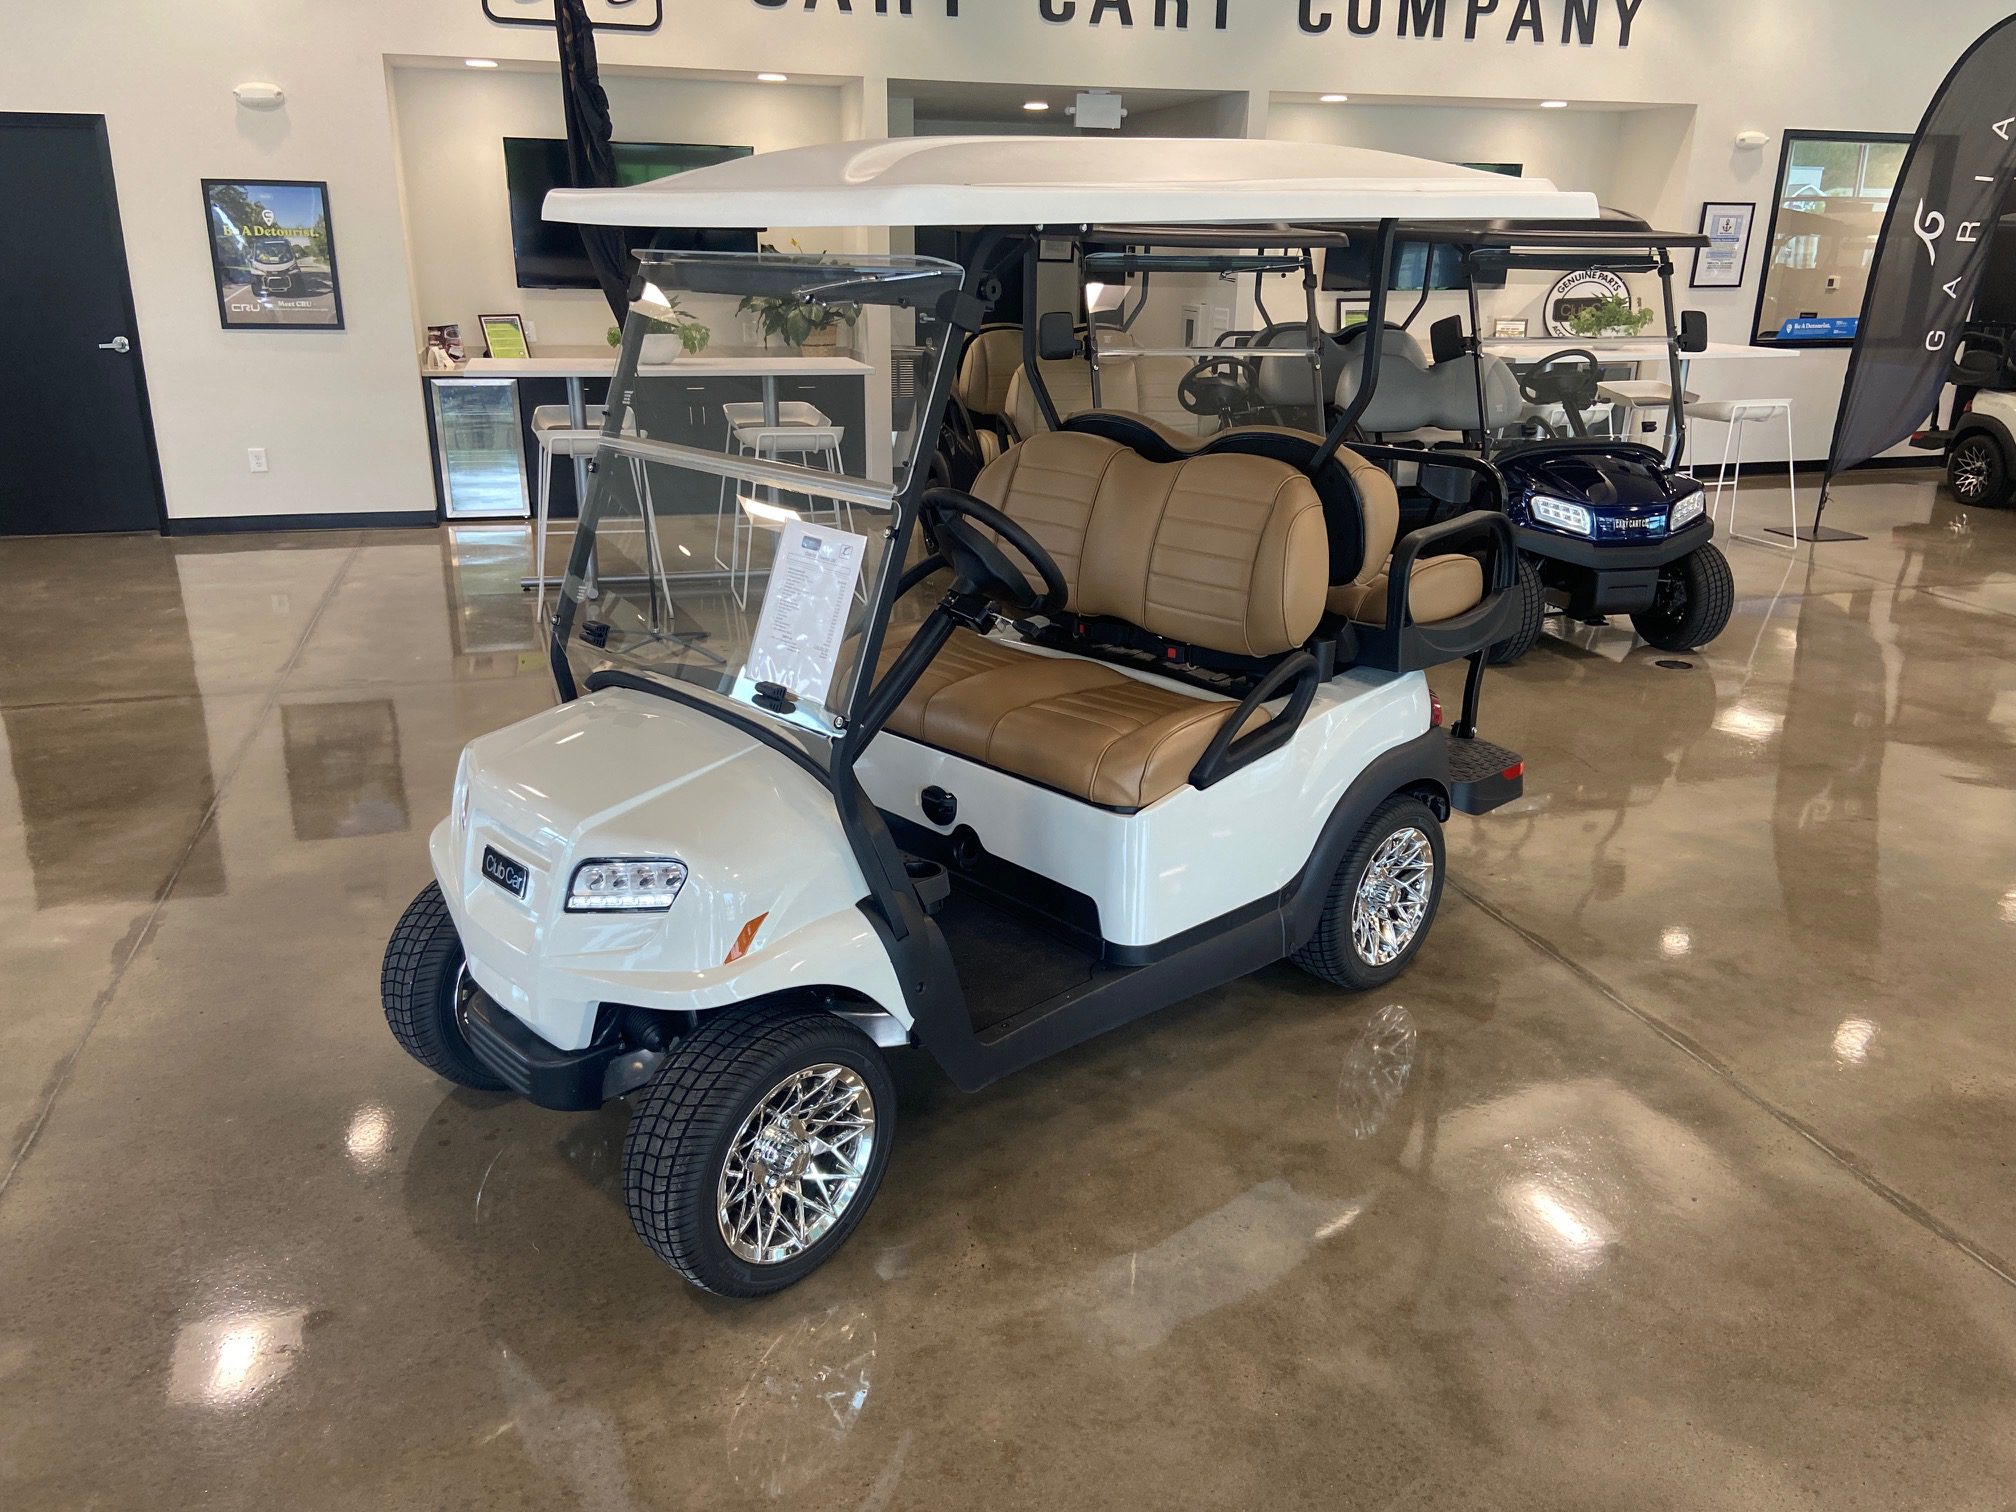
{"points": [[420, 983], [1978, 472], [686, 1122], [1697, 594], [1331, 953], [1532, 615]]}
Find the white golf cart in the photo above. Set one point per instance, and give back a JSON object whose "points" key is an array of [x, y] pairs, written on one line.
{"points": [[846, 762]]}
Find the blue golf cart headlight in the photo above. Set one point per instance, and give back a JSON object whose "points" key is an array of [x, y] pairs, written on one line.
{"points": [[1562, 515], [620, 886], [1687, 511]]}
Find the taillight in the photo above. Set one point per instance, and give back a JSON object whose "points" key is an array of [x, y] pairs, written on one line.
{"points": [[1514, 771], [1434, 709]]}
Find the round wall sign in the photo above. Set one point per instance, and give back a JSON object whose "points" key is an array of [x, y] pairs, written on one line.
{"points": [[1576, 292]]}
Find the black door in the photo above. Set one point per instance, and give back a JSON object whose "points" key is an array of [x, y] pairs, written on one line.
{"points": [[76, 445]]}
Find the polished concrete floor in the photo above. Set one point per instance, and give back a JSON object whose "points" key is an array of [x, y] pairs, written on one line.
{"points": [[1677, 1173]]}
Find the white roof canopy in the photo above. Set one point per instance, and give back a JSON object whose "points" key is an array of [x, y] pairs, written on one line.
{"points": [[1064, 181]]}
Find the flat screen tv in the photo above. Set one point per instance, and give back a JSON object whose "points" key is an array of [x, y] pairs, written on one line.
{"points": [[1348, 270], [549, 254]]}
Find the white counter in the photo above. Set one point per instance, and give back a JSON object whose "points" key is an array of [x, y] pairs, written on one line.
{"points": [[714, 362], [1620, 349]]}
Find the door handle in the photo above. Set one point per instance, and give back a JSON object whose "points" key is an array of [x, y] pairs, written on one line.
{"points": [[116, 344]]}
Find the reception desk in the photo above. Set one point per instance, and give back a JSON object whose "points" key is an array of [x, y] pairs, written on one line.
{"points": [[480, 416]]}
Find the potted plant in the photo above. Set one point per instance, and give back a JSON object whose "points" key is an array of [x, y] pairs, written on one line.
{"points": [[1612, 315], [693, 336], [803, 323]]}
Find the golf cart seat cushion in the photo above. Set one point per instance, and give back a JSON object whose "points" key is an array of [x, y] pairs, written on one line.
{"points": [[1224, 550], [1077, 726], [987, 368], [1439, 588]]}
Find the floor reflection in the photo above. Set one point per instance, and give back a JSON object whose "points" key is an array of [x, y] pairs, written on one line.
{"points": [[344, 776]]}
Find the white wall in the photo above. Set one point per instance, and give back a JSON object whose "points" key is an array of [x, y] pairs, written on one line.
{"points": [[340, 413], [452, 125]]}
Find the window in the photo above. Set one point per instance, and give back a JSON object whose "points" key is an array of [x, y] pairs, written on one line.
{"points": [[1833, 193]]}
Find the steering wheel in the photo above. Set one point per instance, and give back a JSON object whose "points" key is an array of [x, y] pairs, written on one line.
{"points": [[959, 525], [1218, 386], [1573, 387]]}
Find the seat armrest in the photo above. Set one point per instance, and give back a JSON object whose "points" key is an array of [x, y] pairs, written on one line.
{"points": [[1480, 526], [1229, 750]]}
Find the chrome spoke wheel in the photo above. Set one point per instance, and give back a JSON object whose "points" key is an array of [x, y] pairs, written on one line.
{"points": [[796, 1163], [1970, 470], [1391, 903]]}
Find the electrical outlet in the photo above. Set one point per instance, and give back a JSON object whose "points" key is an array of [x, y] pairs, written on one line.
{"points": [[531, 330], [256, 456]]}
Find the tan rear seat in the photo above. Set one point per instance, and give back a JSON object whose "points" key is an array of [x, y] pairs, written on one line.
{"points": [[1226, 552]]}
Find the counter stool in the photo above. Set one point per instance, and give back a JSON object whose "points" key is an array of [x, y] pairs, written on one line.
{"points": [[745, 420], [774, 443], [1737, 413], [555, 442], [1636, 395]]}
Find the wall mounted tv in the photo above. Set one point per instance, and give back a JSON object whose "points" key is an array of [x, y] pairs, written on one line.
{"points": [[1348, 270], [549, 255]]}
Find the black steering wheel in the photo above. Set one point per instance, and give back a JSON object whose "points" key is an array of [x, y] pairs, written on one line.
{"points": [[1219, 386], [959, 525], [1568, 378]]}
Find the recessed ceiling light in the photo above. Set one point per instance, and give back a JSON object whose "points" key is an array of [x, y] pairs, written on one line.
{"points": [[770, 78], [1035, 104], [479, 62], [1334, 99], [1553, 104]]}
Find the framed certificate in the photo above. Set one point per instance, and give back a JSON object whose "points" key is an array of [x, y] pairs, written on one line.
{"points": [[1719, 265], [504, 336]]}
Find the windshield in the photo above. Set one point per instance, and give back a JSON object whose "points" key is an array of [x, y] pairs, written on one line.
{"points": [[766, 414], [273, 248], [1199, 341]]}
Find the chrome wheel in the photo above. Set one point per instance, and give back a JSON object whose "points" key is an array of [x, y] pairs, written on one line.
{"points": [[1391, 903], [796, 1163], [1970, 469]]}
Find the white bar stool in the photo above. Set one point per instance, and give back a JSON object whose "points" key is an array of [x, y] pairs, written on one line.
{"points": [[1641, 395], [774, 443], [1737, 413], [561, 440], [745, 421]]}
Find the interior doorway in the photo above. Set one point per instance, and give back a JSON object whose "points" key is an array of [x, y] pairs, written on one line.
{"points": [[76, 439]]}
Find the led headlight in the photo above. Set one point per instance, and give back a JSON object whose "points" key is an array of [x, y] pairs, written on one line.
{"points": [[1562, 515], [625, 886], [1687, 511]]}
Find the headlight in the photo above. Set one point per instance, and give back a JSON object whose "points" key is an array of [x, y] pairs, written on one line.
{"points": [[1562, 515], [1686, 512], [625, 886]]}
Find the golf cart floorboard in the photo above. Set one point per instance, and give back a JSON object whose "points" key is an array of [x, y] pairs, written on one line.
{"points": [[1473, 760], [1007, 963]]}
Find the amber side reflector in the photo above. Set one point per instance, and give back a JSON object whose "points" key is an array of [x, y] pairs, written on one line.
{"points": [[745, 939]]}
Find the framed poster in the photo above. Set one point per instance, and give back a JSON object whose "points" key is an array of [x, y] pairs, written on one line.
{"points": [[273, 255], [1719, 265], [504, 336], [1509, 330]]}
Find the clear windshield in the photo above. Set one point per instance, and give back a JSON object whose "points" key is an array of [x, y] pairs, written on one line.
{"points": [[766, 414], [1201, 341]]}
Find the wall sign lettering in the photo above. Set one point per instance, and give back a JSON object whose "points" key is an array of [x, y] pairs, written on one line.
{"points": [[1582, 23]]}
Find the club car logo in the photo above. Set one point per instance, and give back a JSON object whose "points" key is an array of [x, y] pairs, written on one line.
{"points": [[506, 873], [1578, 292]]}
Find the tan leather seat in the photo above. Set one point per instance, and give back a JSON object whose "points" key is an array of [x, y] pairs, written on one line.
{"points": [[1074, 725], [986, 369], [1226, 552], [1439, 587]]}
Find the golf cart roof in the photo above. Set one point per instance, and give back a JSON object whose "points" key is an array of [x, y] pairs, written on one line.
{"points": [[1066, 181], [1613, 231]]}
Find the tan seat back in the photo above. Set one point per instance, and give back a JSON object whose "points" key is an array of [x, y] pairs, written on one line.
{"points": [[987, 368], [1226, 550]]}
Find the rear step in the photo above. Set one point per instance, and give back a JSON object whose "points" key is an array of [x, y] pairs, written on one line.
{"points": [[1483, 776]]}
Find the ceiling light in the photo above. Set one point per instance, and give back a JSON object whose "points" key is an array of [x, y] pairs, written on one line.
{"points": [[479, 62], [1553, 104], [1333, 99], [1035, 104], [773, 78]]}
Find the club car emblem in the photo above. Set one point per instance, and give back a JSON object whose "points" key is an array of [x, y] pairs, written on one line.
{"points": [[506, 873]]}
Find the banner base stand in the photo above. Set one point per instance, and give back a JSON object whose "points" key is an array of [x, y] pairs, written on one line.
{"points": [[1815, 533]]}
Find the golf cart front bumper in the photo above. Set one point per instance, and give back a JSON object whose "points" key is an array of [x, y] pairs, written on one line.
{"points": [[1606, 577], [568, 1081]]}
